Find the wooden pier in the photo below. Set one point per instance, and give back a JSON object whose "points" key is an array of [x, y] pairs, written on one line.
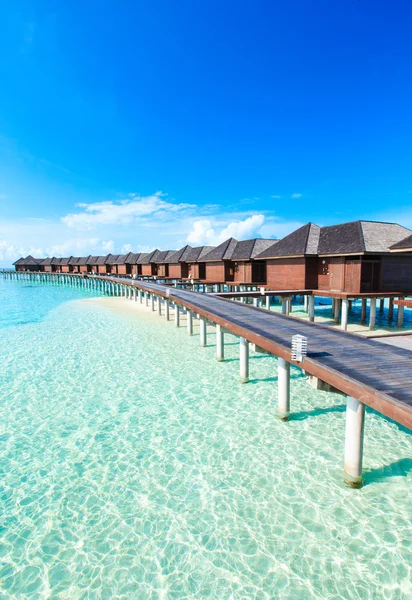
{"points": [[369, 373]]}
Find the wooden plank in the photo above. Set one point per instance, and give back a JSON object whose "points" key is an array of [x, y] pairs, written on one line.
{"points": [[376, 374]]}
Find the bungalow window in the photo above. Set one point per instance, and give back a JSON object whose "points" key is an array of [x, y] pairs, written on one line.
{"points": [[202, 270], [259, 271]]}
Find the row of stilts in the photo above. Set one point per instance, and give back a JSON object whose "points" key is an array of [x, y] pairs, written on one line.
{"points": [[355, 414]]}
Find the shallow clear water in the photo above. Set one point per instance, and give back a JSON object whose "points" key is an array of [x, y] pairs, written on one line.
{"points": [[133, 465]]}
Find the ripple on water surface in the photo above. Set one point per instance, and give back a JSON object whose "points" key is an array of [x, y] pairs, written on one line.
{"points": [[133, 465]]}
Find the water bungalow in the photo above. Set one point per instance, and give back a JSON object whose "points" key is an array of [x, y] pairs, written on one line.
{"points": [[216, 265], [147, 263], [247, 267], [28, 264], [131, 263], [291, 263], [361, 257]]}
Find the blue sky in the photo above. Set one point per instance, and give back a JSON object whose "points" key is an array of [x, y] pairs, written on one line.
{"points": [[150, 124]]}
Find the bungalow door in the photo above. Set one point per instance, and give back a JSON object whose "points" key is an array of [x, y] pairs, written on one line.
{"points": [[352, 275], [370, 275]]}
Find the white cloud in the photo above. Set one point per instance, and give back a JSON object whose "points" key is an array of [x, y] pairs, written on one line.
{"points": [[126, 248], [71, 247], [203, 232], [108, 247], [296, 196], [124, 212], [276, 197]]}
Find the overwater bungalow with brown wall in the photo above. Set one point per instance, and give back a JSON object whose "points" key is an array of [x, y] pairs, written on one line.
{"points": [[357, 257], [352, 257]]}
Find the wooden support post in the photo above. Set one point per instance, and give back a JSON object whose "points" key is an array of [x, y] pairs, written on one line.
{"points": [[338, 303], [153, 302], [256, 302], [177, 315], [283, 389], [189, 322], [267, 302], [401, 310], [284, 305], [381, 304], [344, 319], [220, 344], [363, 311], [305, 302], [146, 293], [372, 313], [311, 309], [355, 422], [167, 309], [203, 332], [390, 309], [159, 305], [244, 360]]}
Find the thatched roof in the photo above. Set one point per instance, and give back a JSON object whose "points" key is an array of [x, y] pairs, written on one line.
{"points": [[301, 242], [222, 252]]}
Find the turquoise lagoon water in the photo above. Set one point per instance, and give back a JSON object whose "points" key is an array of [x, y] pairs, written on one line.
{"points": [[133, 465]]}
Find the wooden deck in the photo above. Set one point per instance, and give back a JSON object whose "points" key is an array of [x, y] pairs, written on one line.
{"points": [[378, 375]]}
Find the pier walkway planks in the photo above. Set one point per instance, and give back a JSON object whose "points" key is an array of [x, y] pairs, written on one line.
{"points": [[377, 375]]}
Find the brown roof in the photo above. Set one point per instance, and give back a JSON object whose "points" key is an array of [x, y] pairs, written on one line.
{"points": [[46, 261], [147, 257], [248, 249], [222, 252], [131, 258], [405, 244], [29, 260], [111, 259], [120, 260], [301, 242], [359, 237], [164, 257], [194, 254], [179, 255]]}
